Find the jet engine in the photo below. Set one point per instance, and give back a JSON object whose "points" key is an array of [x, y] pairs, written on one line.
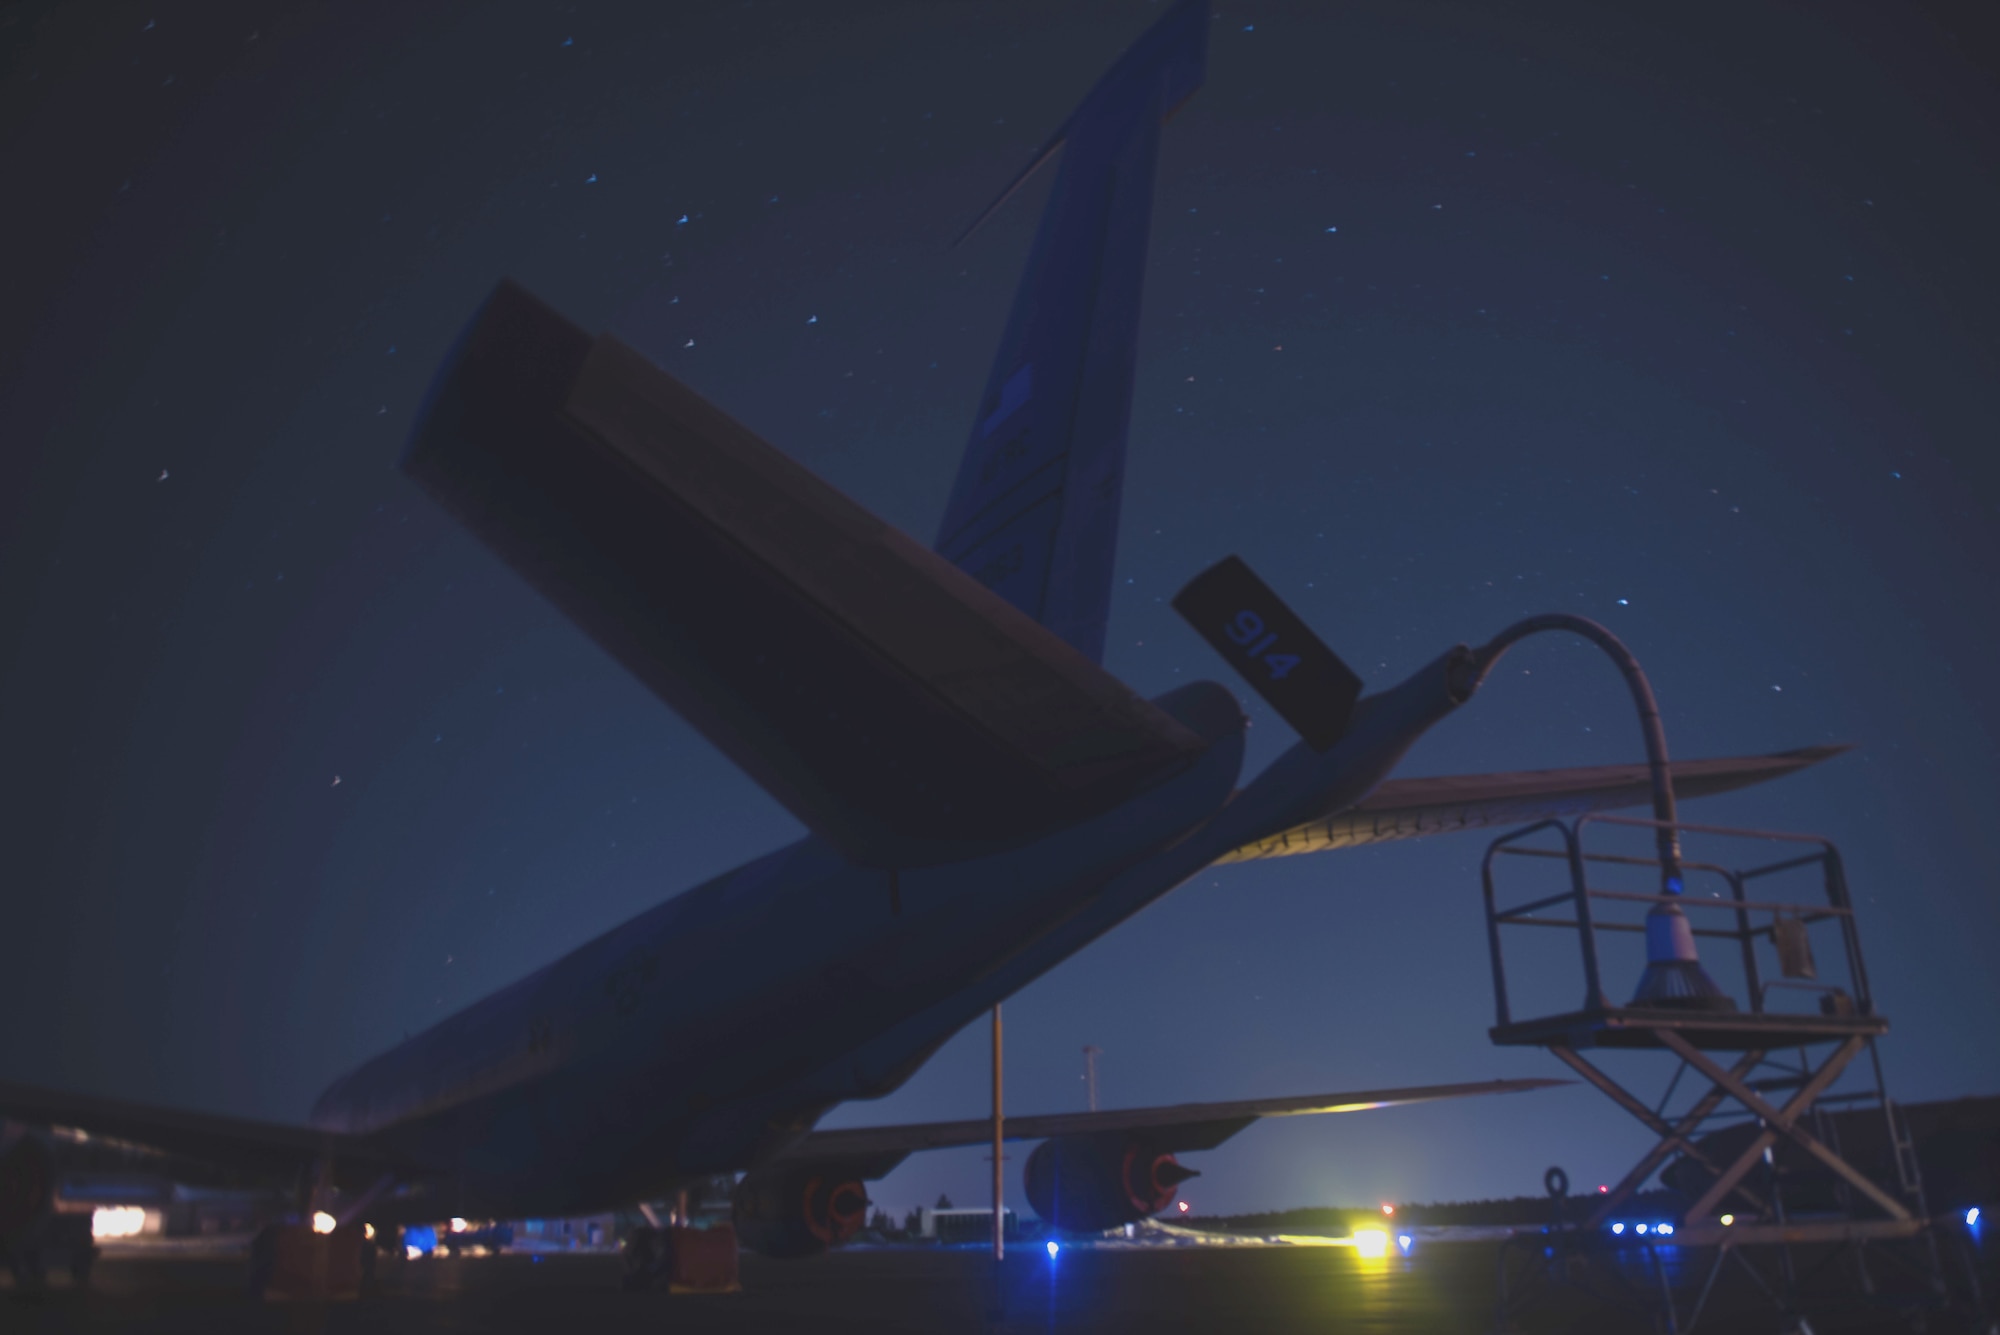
{"points": [[799, 1211], [1086, 1184]]}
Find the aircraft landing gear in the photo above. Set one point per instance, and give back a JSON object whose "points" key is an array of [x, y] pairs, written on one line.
{"points": [[55, 1239], [649, 1257]]}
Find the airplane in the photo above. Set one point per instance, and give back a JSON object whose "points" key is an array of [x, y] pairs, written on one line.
{"points": [[982, 798]]}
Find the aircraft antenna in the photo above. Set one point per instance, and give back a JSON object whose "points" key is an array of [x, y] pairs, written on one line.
{"points": [[999, 1169]]}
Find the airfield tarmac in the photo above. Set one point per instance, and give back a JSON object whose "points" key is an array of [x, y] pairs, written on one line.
{"points": [[1446, 1287]]}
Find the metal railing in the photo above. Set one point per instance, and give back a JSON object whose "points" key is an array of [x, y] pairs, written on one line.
{"points": [[1585, 901]]}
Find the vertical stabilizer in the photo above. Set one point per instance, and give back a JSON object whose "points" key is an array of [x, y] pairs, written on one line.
{"points": [[1034, 513]]}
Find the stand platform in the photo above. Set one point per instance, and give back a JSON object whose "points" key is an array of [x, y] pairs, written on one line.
{"points": [[1641, 1027]]}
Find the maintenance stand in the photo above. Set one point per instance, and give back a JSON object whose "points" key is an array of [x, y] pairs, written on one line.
{"points": [[1759, 1176]]}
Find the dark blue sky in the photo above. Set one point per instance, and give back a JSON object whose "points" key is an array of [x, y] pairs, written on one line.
{"points": [[1686, 322]]}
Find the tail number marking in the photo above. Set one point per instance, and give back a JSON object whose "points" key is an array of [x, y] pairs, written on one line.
{"points": [[1247, 629], [1277, 653]]}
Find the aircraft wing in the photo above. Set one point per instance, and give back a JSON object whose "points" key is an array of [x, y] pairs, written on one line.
{"points": [[1411, 808], [261, 1149], [874, 1150], [898, 707]]}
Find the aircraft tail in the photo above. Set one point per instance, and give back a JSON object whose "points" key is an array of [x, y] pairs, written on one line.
{"points": [[1034, 512]]}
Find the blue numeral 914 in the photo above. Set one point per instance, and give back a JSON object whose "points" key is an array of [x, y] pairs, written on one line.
{"points": [[1248, 630]]}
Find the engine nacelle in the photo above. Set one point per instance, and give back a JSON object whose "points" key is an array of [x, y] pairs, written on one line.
{"points": [[1086, 1184], [799, 1211]]}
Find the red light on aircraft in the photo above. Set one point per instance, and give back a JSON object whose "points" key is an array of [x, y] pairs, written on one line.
{"points": [[1184, 1207], [1388, 1208]]}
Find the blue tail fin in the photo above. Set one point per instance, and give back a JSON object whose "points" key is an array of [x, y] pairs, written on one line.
{"points": [[1034, 513]]}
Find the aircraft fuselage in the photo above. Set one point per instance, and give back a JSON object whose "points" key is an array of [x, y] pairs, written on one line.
{"points": [[685, 1041], [695, 1038]]}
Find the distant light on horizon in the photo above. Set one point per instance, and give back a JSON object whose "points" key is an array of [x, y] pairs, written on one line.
{"points": [[324, 1222], [126, 1221]]}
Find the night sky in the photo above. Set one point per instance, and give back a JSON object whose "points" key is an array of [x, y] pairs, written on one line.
{"points": [[1686, 321]]}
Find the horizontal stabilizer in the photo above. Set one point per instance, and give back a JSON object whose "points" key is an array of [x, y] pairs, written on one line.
{"points": [[1176, 1127], [265, 1149], [1272, 649], [1410, 808], [898, 708]]}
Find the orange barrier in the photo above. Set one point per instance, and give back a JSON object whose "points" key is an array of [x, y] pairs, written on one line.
{"points": [[309, 1265], [702, 1260]]}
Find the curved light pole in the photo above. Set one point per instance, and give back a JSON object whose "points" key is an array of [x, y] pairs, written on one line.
{"points": [[1674, 976]]}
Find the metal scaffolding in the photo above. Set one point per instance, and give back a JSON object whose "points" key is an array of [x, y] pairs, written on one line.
{"points": [[1760, 1185]]}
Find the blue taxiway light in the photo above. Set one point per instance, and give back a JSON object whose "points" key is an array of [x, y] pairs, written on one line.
{"points": [[1972, 1216], [1617, 1228], [1404, 1240], [1053, 1249]]}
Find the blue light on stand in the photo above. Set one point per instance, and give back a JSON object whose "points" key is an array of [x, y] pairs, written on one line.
{"points": [[1665, 1230], [1638, 1228], [1617, 1229]]}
